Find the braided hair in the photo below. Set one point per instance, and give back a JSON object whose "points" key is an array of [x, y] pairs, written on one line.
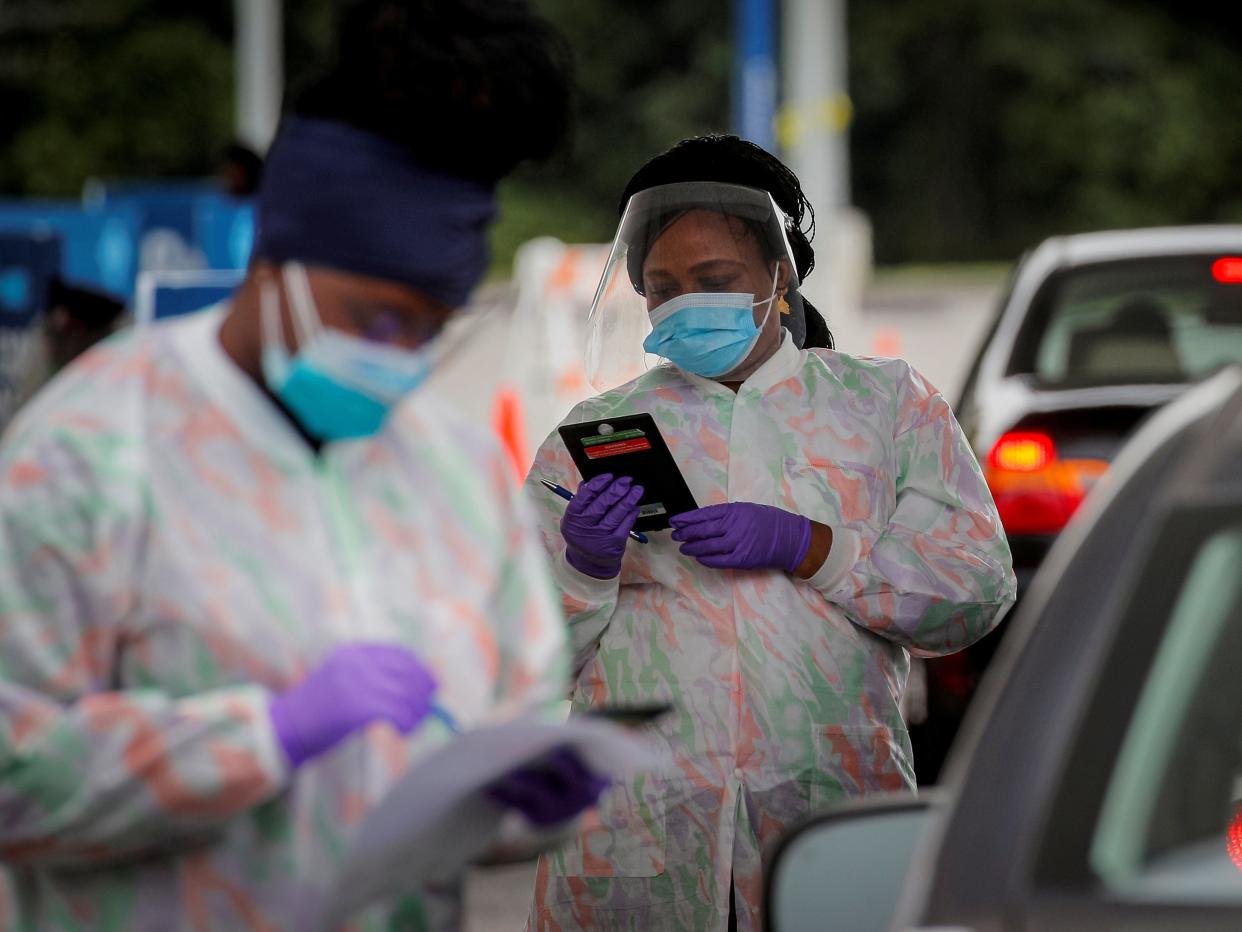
{"points": [[731, 160]]}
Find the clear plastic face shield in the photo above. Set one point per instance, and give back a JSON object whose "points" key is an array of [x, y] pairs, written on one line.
{"points": [[706, 264]]}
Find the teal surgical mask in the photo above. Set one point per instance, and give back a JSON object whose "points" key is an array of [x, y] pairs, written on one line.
{"points": [[337, 385], [707, 333]]}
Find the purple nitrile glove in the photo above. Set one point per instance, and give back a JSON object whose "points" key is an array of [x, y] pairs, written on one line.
{"points": [[597, 524], [743, 536], [356, 685], [551, 791]]}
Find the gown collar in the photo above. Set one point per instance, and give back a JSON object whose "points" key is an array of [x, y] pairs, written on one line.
{"points": [[197, 341]]}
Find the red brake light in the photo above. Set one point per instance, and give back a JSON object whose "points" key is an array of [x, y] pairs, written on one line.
{"points": [[1234, 840], [1035, 491], [1022, 452], [1228, 270]]}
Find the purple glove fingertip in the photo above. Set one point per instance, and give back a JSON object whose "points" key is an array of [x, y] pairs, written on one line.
{"points": [[287, 735], [552, 790], [596, 534], [744, 536], [356, 685]]}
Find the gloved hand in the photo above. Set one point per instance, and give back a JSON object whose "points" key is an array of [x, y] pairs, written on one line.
{"points": [[356, 685], [551, 791], [743, 536], [597, 524]]}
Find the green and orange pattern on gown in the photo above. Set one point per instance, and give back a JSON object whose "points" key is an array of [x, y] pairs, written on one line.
{"points": [[171, 553], [786, 691]]}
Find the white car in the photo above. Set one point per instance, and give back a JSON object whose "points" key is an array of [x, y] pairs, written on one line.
{"points": [[1095, 332]]}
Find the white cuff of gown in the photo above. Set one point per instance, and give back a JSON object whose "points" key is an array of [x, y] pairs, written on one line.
{"points": [[580, 586], [846, 549]]}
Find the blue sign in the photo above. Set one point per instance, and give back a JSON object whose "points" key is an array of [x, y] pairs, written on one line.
{"points": [[16, 289], [28, 263], [171, 294], [185, 224], [98, 247], [224, 229], [167, 205], [168, 237]]}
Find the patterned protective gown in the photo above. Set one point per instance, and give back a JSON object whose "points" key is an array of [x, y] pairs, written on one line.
{"points": [[171, 553], [786, 692]]}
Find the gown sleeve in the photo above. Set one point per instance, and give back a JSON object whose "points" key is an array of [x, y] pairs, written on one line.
{"points": [[938, 575], [588, 603], [534, 674], [90, 772]]}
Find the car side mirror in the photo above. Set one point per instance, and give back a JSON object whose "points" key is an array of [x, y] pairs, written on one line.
{"points": [[846, 869]]}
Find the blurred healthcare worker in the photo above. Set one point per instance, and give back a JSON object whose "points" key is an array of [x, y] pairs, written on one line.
{"points": [[236, 572], [844, 526]]}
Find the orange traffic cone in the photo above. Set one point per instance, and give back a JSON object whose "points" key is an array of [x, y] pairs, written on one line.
{"points": [[510, 427], [887, 342]]}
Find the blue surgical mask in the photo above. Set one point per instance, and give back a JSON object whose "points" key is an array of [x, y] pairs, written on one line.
{"points": [[706, 333], [337, 385]]}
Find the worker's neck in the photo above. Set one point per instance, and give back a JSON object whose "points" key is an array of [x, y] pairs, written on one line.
{"points": [[242, 341], [239, 333]]}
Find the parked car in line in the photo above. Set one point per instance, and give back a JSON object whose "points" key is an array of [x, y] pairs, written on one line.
{"points": [[1097, 784], [1095, 332]]}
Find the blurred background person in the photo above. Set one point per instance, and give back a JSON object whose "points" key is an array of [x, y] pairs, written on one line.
{"points": [[241, 169], [239, 569], [845, 525], [75, 320]]}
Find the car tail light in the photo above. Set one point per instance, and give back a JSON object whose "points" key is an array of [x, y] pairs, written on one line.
{"points": [[1228, 270], [1036, 491], [1019, 452], [1233, 841]]}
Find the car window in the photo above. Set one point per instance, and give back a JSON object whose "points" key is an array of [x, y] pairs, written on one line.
{"points": [[1157, 321], [1171, 825]]}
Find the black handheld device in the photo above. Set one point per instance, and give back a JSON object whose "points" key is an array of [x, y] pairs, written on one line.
{"points": [[632, 446], [630, 716]]}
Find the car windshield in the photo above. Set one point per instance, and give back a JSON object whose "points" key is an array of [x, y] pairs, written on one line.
{"points": [[1152, 321]]}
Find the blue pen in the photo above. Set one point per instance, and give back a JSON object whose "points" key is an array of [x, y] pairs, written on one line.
{"points": [[445, 717], [569, 497]]}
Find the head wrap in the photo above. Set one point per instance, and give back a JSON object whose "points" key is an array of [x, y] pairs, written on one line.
{"points": [[341, 197]]}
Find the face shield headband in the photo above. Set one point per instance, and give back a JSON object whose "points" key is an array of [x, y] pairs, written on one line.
{"points": [[701, 238]]}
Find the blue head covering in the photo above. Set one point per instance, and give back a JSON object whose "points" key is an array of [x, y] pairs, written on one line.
{"points": [[341, 197]]}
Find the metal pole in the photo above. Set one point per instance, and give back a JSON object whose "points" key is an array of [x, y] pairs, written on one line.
{"points": [[816, 112], [259, 67], [754, 71], [812, 130]]}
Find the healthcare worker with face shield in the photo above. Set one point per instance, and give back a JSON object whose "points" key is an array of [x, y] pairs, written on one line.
{"points": [[243, 560], [843, 526]]}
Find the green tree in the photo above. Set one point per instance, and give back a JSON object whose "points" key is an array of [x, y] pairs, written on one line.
{"points": [[649, 74], [985, 126], [111, 88]]}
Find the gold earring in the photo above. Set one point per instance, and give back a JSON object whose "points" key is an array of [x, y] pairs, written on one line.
{"points": [[782, 304]]}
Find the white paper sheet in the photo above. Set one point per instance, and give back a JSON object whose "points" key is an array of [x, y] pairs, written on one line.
{"points": [[437, 819]]}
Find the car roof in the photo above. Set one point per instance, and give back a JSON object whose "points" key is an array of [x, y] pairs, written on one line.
{"points": [[1113, 245], [1078, 250]]}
